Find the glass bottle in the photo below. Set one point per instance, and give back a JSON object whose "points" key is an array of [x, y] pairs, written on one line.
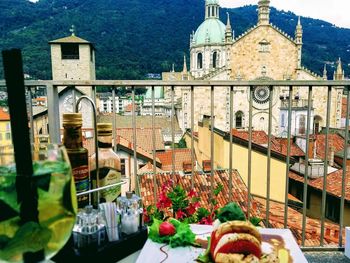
{"points": [[78, 155], [109, 165]]}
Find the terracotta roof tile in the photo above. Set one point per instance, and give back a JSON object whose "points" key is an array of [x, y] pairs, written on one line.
{"points": [[180, 156], [258, 137], [89, 143], [148, 168], [239, 195], [294, 223], [143, 137], [277, 144], [4, 115], [201, 186], [335, 143], [334, 183], [281, 144]]}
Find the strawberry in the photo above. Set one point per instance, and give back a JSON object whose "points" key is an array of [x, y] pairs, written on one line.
{"points": [[166, 229]]}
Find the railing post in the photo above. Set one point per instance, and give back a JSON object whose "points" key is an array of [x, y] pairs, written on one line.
{"points": [[53, 113]]}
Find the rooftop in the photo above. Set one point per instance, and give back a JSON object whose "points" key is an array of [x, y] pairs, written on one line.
{"points": [[240, 193], [180, 156]]}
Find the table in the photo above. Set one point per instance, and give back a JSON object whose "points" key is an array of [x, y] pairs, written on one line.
{"points": [[151, 253]]}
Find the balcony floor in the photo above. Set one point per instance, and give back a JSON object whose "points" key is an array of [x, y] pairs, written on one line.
{"points": [[319, 257]]}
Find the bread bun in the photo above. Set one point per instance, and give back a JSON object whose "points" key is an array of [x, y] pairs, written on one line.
{"points": [[238, 227]]}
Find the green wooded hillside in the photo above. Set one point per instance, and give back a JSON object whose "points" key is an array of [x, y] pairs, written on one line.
{"points": [[135, 37]]}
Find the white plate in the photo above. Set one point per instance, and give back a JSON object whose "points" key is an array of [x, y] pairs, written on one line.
{"points": [[151, 253]]}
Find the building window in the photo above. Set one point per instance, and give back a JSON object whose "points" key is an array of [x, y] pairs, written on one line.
{"points": [[282, 120], [199, 60], [8, 127], [0, 136], [122, 167], [332, 208], [215, 59], [302, 124], [239, 119], [70, 51], [8, 136], [91, 54], [264, 46]]}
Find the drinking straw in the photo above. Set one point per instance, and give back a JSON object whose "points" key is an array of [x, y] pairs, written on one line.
{"points": [[27, 194]]}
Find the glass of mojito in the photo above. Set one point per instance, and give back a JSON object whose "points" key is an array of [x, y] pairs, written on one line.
{"points": [[57, 204]]}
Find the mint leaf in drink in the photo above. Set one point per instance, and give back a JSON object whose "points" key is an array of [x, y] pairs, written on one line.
{"points": [[7, 211], [43, 181], [30, 237]]}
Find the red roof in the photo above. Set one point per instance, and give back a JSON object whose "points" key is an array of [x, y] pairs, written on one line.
{"points": [[258, 137], [201, 186], [148, 168], [4, 115], [294, 223], [278, 145], [143, 137], [335, 143], [89, 144], [240, 193], [281, 144], [334, 183], [180, 156]]}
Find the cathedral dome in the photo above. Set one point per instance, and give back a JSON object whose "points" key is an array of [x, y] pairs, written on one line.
{"points": [[211, 31]]}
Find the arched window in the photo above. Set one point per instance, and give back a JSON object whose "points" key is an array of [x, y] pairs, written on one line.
{"points": [[215, 59], [199, 60], [317, 124], [239, 119]]}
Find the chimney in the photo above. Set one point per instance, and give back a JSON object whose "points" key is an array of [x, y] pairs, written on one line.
{"points": [[312, 148], [336, 233], [206, 164], [187, 167], [328, 232]]}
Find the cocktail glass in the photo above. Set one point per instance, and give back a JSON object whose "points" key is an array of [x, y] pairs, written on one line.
{"points": [[57, 205]]}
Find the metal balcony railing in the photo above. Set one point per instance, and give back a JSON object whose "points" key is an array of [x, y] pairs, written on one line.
{"points": [[307, 86]]}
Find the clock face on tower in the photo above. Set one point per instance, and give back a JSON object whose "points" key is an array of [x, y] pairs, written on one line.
{"points": [[68, 103]]}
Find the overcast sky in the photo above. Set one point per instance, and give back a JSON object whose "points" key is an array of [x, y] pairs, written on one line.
{"points": [[334, 11]]}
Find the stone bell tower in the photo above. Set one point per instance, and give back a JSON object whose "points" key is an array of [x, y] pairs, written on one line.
{"points": [[72, 58]]}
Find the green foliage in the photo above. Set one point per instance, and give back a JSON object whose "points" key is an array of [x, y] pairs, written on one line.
{"points": [[182, 143], [183, 236], [178, 198], [136, 37], [255, 221], [202, 213], [205, 257], [230, 212]]}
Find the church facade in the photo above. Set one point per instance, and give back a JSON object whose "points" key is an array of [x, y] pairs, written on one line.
{"points": [[263, 52]]}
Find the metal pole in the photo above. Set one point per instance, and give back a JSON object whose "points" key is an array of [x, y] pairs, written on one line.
{"points": [[268, 179], [288, 156], [231, 150], [172, 132], [325, 167], [192, 136], [306, 164], [212, 142], [114, 123], [154, 147], [134, 142], [53, 114], [250, 148], [346, 144]]}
